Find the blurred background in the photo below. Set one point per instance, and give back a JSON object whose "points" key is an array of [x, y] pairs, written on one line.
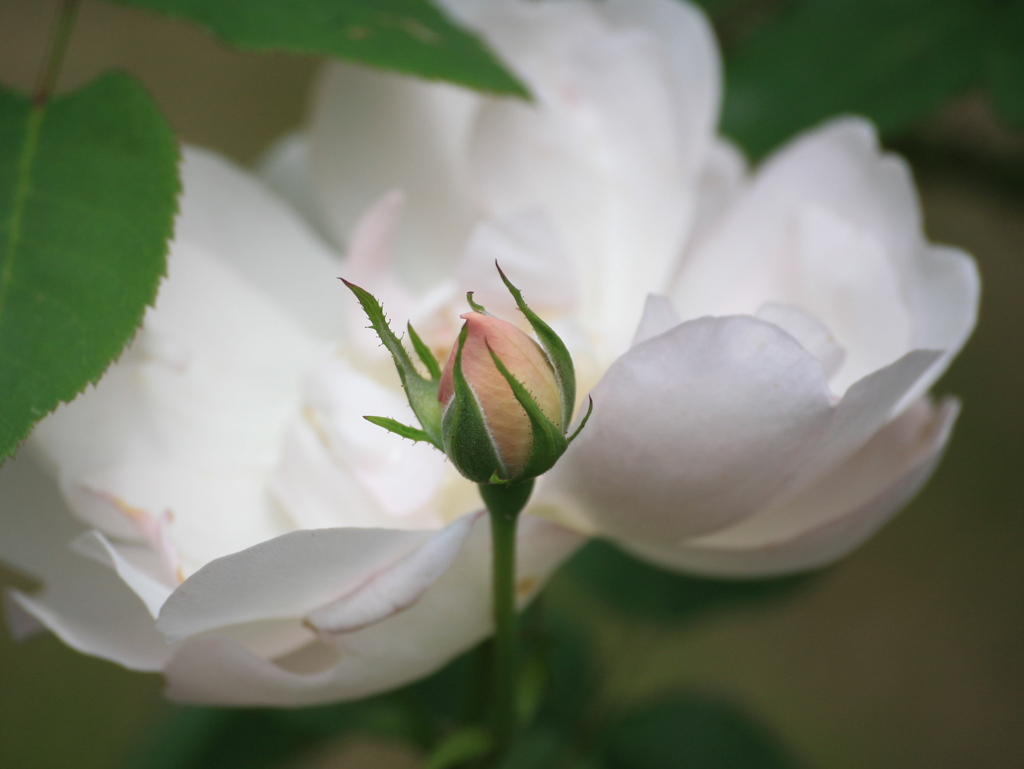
{"points": [[910, 653]]}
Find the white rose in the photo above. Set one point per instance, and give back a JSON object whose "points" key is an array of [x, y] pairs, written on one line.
{"points": [[784, 420], [226, 448], [237, 524], [763, 345]]}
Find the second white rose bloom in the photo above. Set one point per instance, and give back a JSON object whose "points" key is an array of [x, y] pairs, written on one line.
{"points": [[758, 348]]}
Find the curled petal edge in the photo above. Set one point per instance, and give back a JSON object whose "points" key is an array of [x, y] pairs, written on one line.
{"points": [[397, 588], [821, 543]]}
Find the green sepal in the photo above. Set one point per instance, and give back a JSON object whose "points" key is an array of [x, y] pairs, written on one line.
{"points": [[554, 347], [586, 418], [424, 354], [421, 392], [477, 307], [465, 436], [393, 426], [506, 499], [548, 441]]}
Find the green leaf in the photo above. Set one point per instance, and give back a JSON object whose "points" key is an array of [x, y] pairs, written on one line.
{"points": [[421, 392], [409, 36], [1005, 72], [264, 738], [540, 747], [88, 187], [457, 694], [895, 62], [642, 591], [555, 348], [692, 731], [1006, 83], [573, 680]]}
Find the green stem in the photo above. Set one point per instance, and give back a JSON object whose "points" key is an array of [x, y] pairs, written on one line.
{"points": [[504, 504], [58, 46], [23, 183]]}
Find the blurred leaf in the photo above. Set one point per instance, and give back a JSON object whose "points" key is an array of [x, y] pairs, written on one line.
{"points": [[538, 748], [1006, 66], [390, 716], [254, 738], [410, 36], [1006, 83], [459, 747], [180, 739], [895, 62], [88, 188], [692, 732], [224, 738], [455, 695], [639, 590], [572, 676]]}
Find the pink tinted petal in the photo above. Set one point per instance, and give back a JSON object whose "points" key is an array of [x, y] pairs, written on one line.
{"points": [[943, 295], [530, 252], [20, 624], [191, 418], [687, 40], [36, 529], [867, 406], [659, 316], [229, 212], [451, 616], [723, 178], [286, 168], [99, 616], [368, 264], [150, 591], [750, 256], [210, 670], [611, 147], [390, 591], [840, 166], [288, 576], [314, 489], [834, 516], [87, 605], [372, 132], [131, 526], [695, 429], [813, 335], [337, 469], [848, 282]]}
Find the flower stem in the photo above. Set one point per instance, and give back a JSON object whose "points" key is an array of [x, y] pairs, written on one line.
{"points": [[504, 504], [58, 46]]}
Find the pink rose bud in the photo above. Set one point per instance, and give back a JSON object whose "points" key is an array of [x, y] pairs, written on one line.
{"points": [[506, 419], [500, 408]]}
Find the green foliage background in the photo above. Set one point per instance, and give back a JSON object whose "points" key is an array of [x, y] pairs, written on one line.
{"points": [[904, 655]]}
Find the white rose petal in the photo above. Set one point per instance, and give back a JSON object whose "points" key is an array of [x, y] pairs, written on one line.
{"points": [[758, 346]]}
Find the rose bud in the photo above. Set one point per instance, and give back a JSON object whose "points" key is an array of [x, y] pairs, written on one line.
{"points": [[507, 423], [500, 408], [505, 399]]}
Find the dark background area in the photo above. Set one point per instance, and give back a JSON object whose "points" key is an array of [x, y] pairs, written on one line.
{"points": [[907, 654]]}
